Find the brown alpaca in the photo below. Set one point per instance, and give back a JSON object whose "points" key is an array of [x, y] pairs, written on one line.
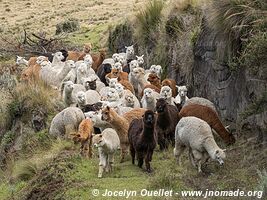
{"points": [[99, 59], [153, 87], [127, 85], [116, 73], [154, 80], [75, 55], [121, 125], [210, 116], [31, 73], [136, 113], [84, 136], [172, 84]]}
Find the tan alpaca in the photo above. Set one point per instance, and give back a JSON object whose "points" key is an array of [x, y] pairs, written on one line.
{"points": [[121, 125]]}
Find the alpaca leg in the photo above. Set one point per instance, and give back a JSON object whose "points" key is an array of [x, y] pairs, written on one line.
{"points": [[102, 164], [111, 162], [147, 162], [123, 152], [90, 152], [132, 150], [191, 157], [198, 157], [85, 149], [140, 158], [178, 150]]}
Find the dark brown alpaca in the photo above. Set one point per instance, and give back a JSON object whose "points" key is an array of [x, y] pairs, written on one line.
{"points": [[154, 80], [210, 116], [168, 118], [143, 139]]}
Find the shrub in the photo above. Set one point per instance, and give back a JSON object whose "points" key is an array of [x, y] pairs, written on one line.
{"points": [[148, 20], [262, 185], [174, 25], [67, 26]]}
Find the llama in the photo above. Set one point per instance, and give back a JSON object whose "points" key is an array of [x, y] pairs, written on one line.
{"points": [[143, 139]]}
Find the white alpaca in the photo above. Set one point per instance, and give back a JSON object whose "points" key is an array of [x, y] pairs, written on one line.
{"points": [[22, 61], [181, 98], [97, 121], [69, 92], [166, 93], [130, 100], [53, 76], [140, 60], [107, 143], [57, 60], [149, 99], [113, 82], [196, 134], [88, 97]]}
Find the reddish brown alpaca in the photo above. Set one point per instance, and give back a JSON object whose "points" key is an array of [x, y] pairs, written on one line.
{"points": [[154, 80], [98, 59], [210, 116]]}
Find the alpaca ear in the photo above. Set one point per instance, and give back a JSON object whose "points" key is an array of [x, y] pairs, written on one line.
{"points": [[108, 108], [142, 56], [224, 150], [217, 151]]}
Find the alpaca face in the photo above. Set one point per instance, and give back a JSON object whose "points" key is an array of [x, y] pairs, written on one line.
{"points": [[91, 85], [81, 97], [129, 51], [161, 105], [129, 100], [70, 64], [140, 60], [87, 48], [148, 93], [219, 155], [166, 92], [19, 60], [149, 118], [117, 66], [119, 87], [59, 56], [182, 90], [133, 64], [113, 82], [68, 86], [106, 115], [91, 115], [138, 72], [98, 140], [113, 95], [121, 59], [116, 57], [153, 78]]}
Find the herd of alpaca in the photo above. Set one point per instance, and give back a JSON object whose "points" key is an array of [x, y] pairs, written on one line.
{"points": [[118, 104]]}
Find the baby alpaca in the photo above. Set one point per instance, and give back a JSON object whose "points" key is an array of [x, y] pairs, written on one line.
{"points": [[84, 136], [107, 143], [196, 134], [143, 139], [181, 98]]}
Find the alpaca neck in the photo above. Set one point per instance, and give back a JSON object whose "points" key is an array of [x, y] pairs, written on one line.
{"points": [[148, 132], [164, 117], [142, 82], [119, 123], [220, 129], [63, 73], [24, 62], [210, 146], [56, 62]]}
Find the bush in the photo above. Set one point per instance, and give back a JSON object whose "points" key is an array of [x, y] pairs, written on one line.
{"points": [[174, 25], [67, 26], [148, 20]]}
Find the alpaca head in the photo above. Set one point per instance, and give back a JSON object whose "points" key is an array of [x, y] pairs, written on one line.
{"points": [[219, 155], [138, 72], [58, 56], [68, 86], [149, 118], [70, 64], [107, 114], [87, 48], [153, 78], [121, 59], [85, 130], [45, 63], [117, 66], [40, 59], [157, 69], [92, 115], [20, 60], [98, 140], [81, 98], [102, 53], [148, 94], [182, 91], [113, 95], [90, 82], [161, 105], [166, 92], [133, 64], [116, 57], [129, 51], [129, 99], [88, 60], [113, 82], [140, 60]]}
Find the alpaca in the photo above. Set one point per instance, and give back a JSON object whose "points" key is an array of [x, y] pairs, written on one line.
{"points": [[99, 60], [196, 134], [57, 62], [105, 69], [69, 92], [181, 98], [143, 139], [154, 80], [107, 143], [166, 93], [172, 84], [140, 60], [84, 136], [211, 117], [149, 99], [66, 123], [166, 122], [200, 101]]}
